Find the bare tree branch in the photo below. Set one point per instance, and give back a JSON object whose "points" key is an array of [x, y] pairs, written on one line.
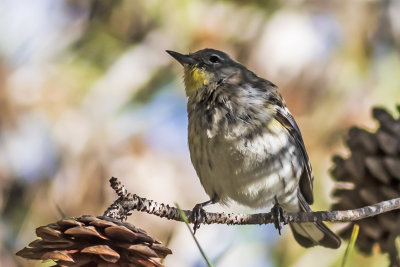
{"points": [[126, 202]]}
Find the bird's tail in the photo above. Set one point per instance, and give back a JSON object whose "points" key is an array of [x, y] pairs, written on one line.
{"points": [[313, 233]]}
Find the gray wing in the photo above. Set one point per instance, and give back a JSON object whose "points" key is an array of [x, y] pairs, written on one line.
{"points": [[284, 116]]}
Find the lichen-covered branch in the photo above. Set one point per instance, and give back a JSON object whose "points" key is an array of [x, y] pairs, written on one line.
{"points": [[126, 203]]}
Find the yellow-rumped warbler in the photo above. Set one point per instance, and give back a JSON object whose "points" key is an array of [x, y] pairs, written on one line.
{"points": [[245, 144]]}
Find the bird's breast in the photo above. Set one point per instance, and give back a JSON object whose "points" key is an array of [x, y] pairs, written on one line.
{"points": [[249, 162]]}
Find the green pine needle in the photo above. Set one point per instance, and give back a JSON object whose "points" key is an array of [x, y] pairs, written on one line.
{"points": [[351, 244], [195, 239]]}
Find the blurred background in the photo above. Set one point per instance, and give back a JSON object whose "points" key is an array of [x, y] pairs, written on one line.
{"points": [[87, 92]]}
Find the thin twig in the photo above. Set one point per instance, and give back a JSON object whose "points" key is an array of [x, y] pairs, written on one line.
{"points": [[203, 254], [122, 207], [350, 245]]}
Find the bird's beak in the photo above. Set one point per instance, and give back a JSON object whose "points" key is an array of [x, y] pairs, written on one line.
{"points": [[183, 59]]}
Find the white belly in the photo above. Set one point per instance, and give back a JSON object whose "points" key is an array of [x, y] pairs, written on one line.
{"points": [[251, 173]]}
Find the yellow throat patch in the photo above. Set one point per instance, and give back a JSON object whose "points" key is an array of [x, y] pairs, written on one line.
{"points": [[195, 78]]}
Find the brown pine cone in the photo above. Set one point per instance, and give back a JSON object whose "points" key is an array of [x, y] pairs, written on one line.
{"points": [[94, 241], [373, 171]]}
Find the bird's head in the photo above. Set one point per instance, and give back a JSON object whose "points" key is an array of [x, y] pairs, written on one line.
{"points": [[205, 67]]}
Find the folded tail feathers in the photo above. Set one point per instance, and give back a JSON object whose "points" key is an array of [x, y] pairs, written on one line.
{"points": [[313, 233]]}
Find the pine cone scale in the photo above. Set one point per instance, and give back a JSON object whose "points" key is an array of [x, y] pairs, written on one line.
{"points": [[103, 251], [94, 241], [393, 166], [61, 255], [380, 156]]}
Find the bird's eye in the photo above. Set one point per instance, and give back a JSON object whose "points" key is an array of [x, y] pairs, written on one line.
{"points": [[214, 59]]}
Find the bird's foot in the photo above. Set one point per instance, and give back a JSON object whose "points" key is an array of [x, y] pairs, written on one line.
{"points": [[198, 213], [277, 213]]}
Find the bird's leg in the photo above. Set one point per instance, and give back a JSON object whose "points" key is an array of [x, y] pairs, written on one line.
{"points": [[277, 213], [198, 213]]}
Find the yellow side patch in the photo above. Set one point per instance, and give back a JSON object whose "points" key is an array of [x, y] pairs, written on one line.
{"points": [[195, 78], [275, 126]]}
